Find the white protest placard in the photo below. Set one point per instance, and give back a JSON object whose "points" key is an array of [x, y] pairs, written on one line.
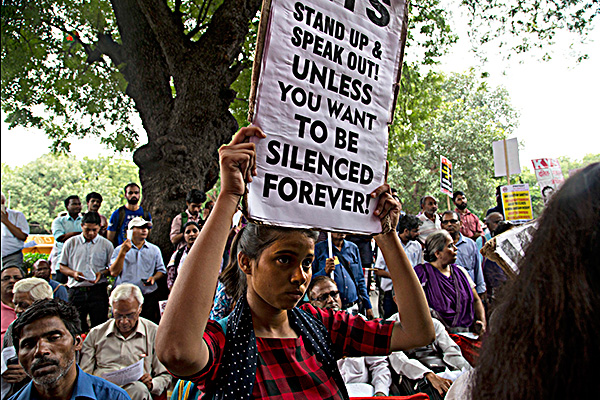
{"points": [[549, 176], [502, 152], [325, 96], [126, 375]]}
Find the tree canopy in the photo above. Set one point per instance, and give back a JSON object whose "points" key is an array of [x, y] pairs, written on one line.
{"points": [[464, 117], [83, 67]]}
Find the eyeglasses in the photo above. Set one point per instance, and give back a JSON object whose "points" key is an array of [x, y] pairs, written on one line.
{"points": [[449, 221], [9, 277], [325, 296], [130, 316]]}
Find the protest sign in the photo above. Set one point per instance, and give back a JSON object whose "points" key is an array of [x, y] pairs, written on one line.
{"points": [[506, 156], [446, 176], [516, 202], [325, 95], [549, 176]]}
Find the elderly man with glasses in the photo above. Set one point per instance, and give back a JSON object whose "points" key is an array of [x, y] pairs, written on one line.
{"points": [[124, 340], [10, 276], [364, 376]]}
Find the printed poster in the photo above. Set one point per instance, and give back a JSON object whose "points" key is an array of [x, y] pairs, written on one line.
{"points": [[446, 176], [325, 96], [516, 202], [549, 176]]}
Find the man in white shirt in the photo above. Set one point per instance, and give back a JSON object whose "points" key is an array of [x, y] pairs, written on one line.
{"points": [[414, 369], [428, 215], [85, 260], [323, 293], [408, 232], [15, 230]]}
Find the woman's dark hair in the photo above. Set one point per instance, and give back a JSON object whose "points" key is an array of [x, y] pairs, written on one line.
{"points": [[542, 341], [47, 308], [252, 240], [188, 224], [435, 242]]}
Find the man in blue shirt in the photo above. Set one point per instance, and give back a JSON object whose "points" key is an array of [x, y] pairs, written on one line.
{"points": [[64, 228], [119, 220], [348, 273], [467, 255], [139, 262], [46, 338]]}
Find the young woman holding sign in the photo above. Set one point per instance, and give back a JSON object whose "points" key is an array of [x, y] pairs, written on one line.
{"points": [[268, 347]]}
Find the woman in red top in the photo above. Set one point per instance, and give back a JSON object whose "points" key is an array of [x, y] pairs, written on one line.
{"points": [[268, 347]]}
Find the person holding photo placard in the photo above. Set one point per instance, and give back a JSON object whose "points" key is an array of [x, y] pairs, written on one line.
{"points": [[268, 347]]}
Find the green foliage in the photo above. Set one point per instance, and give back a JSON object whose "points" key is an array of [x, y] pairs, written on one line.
{"points": [[460, 117], [50, 82], [56, 75], [39, 188], [566, 164], [29, 259], [533, 23]]}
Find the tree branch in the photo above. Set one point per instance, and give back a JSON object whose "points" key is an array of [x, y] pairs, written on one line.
{"points": [[226, 31], [200, 20], [168, 29]]}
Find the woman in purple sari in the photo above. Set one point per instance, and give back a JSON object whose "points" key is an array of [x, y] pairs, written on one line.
{"points": [[449, 289]]}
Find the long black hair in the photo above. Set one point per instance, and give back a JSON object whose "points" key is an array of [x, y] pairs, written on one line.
{"points": [[543, 338]]}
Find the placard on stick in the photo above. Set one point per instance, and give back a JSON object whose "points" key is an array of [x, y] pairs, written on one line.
{"points": [[516, 203], [446, 176], [324, 91]]}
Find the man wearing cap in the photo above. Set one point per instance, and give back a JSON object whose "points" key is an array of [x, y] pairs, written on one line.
{"points": [[85, 260], [139, 262], [428, 215]]}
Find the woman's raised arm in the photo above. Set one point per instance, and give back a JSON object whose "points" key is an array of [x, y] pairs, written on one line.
{"points": [[179, 340], [416, 328]]}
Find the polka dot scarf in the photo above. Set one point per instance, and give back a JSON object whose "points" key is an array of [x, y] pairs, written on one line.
{"points": [[237, 372]]}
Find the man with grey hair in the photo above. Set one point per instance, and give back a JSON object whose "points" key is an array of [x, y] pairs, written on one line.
{"points": [[25, 293], [124, 340], [15, 230]]}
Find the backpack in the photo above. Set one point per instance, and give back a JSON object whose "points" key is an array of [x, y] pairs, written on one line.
{"points": [[184, 219], [121, 219]]}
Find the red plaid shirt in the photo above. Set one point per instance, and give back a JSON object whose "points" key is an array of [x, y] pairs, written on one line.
{"points": [[286, 370]]}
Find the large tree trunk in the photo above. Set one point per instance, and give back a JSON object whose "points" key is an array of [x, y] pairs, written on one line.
{"points": [[184, 129]]}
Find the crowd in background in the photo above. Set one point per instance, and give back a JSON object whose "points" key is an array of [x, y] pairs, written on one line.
{"points": [[116, 281]]}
